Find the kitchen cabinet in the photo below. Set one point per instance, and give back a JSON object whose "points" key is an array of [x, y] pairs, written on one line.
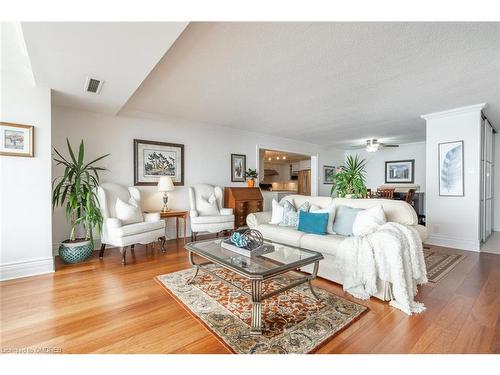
{"points": [[304, 164], [276, 172], [304, 182]]}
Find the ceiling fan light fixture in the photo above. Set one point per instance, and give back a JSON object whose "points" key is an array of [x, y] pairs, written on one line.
{"points": [[372, 145]]}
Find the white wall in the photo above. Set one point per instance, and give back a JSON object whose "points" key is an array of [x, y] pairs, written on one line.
{"points": [[496, 219], [375, 162], [25, 183], [207, 152], [454, 221]]}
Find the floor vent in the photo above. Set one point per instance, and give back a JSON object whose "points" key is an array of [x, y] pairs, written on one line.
{"points": [[93, 85]]}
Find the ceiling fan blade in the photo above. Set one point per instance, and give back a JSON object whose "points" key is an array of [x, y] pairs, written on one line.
{"points": [[384, 145], [357, 147]]}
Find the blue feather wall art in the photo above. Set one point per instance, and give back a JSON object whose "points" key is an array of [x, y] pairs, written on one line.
{"points": [[451, 169]]}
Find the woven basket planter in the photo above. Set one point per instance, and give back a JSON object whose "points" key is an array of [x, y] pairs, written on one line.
{"points": [[76, 252]]}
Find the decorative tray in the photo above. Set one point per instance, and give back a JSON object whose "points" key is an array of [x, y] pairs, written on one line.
{"points": [[261, 250]]}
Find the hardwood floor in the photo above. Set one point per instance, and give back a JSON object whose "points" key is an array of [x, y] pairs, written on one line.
{"points": [[101, 306]]}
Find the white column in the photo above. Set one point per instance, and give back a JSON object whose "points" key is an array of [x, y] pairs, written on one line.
{"points": [[454, 221]]}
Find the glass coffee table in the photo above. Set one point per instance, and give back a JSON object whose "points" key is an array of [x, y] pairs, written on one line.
{"points": [[284, 259]]}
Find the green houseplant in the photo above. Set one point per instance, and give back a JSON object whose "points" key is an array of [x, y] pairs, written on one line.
{"points": [[251, 175], [76, 189], [349, 181]]}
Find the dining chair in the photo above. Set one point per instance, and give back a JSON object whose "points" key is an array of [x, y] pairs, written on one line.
{"points": [[387, 193], [409, 196]]}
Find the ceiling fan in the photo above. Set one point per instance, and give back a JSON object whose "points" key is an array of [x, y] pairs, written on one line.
{"points": [[372, 145]]}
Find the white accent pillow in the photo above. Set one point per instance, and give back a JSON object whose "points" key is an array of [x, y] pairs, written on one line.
{"points": [[128, 213], [277, 214], [209, 206], [291, 214], [330, 210], [368, 221]]}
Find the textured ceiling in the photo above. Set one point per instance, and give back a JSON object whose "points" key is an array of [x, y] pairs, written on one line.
{"points": [[335, 84]]}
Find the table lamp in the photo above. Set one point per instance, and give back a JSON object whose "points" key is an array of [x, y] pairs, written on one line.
{"points": [[164, 185]]}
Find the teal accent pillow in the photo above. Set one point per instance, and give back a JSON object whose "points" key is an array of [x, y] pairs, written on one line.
{"points": [[291, 215], [344, 219], [313, 223]]}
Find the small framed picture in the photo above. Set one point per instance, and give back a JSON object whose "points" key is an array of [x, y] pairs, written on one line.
{"points": [[328, 174], [155, 159], [400, 171], [238, 167], [16, 139], [451, 169]]}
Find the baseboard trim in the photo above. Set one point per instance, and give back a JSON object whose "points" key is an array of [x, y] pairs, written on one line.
{"points": [[457, 243], [30, 267]]}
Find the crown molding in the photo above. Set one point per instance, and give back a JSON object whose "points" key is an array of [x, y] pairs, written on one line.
{"points": [[455, 111]]}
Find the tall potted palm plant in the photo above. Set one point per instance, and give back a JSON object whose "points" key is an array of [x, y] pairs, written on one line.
{"points": [[76, 189], [349, 181]]}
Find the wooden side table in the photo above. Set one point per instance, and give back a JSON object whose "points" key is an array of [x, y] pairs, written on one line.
{"points": [[178, 215]]}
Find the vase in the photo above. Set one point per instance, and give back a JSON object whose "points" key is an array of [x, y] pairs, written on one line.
{"points": [[251, 183], [76, 252]]}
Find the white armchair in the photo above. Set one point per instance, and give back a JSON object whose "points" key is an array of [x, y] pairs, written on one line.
{"points": [[115, 233], [207, 213]]}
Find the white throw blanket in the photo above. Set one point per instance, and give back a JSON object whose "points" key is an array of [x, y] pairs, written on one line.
{"points": [[393, 253]]}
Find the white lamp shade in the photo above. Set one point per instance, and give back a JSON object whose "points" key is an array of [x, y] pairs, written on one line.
{"points": [[165, 184]]}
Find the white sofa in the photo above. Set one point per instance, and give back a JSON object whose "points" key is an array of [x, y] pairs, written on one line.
{"points": [[328, 244]]}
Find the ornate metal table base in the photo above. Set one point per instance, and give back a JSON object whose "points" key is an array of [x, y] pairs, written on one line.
{"points": [[256, 295]]}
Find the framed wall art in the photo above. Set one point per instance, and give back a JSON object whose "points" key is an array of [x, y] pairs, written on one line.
{"points": [[16, 139], [238, 167], [155, 159], [400, 171], [328, 174], [451, 169]]}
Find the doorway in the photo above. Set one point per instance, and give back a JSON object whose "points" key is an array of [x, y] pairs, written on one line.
{"points": [[287, 171]]}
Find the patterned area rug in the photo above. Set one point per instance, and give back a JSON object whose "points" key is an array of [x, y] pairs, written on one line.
{"points": [[293, 321], [439, 264]]}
